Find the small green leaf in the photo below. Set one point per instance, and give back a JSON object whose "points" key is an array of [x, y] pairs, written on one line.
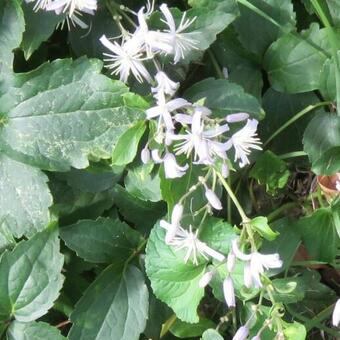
{"points": [[270, 171], [37, 260], [288, 290], [115, 306], [211, 334], [321, 142], [294, 331], [101, 241], [126, 148], [24, 197], [260, 224], [12, 26], [173, 281], [33, 331], [224, 97], [187, 330]]}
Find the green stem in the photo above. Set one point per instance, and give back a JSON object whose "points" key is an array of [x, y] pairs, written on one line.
{"points": [[217, 68], [334, 44], [320, 317], [230, 192], [293, 154], [297, 116], [136, 252], [167, 325], [273, 215]]}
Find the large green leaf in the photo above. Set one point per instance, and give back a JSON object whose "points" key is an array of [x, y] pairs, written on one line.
{"points": [[115, 306], [33, 331], [173, 281], [62, 113], [24, 197], [101, 241], [294, 62], [30, 277], [328, 79], [256, 32], [39, 27], [321, 141], [12, 25], [224, 97]]}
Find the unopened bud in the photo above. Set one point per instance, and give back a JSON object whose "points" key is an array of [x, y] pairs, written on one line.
{"points": [[228, 292], [231, 262], [237, 117], [205, 279], [145, 155], [213, 199], [177, 213]]}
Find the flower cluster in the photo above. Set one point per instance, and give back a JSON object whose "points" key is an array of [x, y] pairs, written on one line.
{"points": [[73, 9], [145, 44]]}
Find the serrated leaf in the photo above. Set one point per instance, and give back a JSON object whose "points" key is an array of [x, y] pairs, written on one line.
{"points": [[321, 142], [12, 26], [39, 27], [224, 97], [211, 334], [33, 331], [294, 331], [63, 113], [115, 306], [126, 148], [173, 281], [256, 32], [24, 197], [294, 62], [270, 171], [101, 241], [30, 277]]}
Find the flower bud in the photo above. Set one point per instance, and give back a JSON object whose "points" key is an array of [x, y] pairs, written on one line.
{"points": [[231, 261], [247, 277], [177, 213], [213, 199], [336, 314], [237, 117], [145, 155], [256, 337], [228, 292], [225, 170], [205, 279], [241, 334]]}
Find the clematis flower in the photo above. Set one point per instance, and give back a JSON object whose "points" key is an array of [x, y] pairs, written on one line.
{"points": [[126, 58], [212, 198], [145, 155], [205, 279], [242, 333], [178, 41], [39, 4], [244, 140], [187, 239], [237, 117], [171, 228], [164, 85], [336, 314], [228, 291], [164, 109]]}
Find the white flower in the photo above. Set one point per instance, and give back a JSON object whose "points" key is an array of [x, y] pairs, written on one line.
{"points": [[256, 337], [145, 155], [179, 42], [126, 58], [228, 292], [336, 314], [171, 228], [164, 109], [164, 85], [231, 261], [205, 279], [201, 142], [237, 117], [213, 199], [244, 140], [188, 240], [241, 334], [171, 168], [337, 185], [39, 4]]}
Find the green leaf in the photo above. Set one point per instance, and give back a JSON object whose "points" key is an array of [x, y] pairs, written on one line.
{"points": [[334, 10], [294, 331], [256, 32], [37, 261], [187, 330], [319, 234], [63, 113], [294, 62], [260, 224], [115, 306], [24, 197], [101, 241], [7, 240], [126, 148], [271, 171], [217, 233], [321, 142], [33, 331], [173, 281], [211, 334], [12, 26], [143, 183], [327, 79], [224, 97], [39, 27], [288, 290]]}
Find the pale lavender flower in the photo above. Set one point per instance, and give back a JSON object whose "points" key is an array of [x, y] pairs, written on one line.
{"points": [[205, 279], [39, 4], [243, 141], [242, 333], [228, 291], [336, 314], [224, 170], [171, 228], [256, 337], [164, 85], [237, 117], [212, 198], [145, 155], [171, 168]]}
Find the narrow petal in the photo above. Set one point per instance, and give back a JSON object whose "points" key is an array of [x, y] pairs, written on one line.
{"points": [[228, 292], [336, 314]]}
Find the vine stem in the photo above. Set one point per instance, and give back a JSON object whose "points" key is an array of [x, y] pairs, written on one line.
{"points": [[297, 116], [231, 194], [293, 154], [334, 45]]}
